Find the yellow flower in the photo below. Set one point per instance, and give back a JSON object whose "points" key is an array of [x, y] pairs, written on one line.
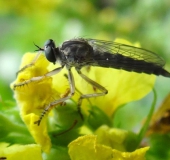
{"points": [[33, 98], [26, 152], [87, 147]]}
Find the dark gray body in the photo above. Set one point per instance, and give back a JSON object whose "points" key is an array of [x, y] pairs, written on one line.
{"points": [[81, 52]]}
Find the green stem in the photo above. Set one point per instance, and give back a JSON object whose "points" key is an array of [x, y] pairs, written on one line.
{"points": [[145, 126]]}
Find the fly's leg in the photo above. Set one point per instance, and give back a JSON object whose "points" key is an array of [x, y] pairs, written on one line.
{"points": [[34, 79], [72, 91], [78, 106], [30, 64], [65, 75], [103, 90]]}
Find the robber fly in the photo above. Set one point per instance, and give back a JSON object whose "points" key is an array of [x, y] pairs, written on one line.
{"points": [[82, 52]]}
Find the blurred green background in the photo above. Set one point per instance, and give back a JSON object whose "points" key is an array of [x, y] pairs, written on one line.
{"points": [[25, 22]]}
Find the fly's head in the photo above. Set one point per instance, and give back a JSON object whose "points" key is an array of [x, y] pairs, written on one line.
{"points": [[50, 50]]}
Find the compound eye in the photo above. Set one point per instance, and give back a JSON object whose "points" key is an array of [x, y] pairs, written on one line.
{"points": [[49, 50]]}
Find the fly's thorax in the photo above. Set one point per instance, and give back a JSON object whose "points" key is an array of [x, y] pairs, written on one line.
{"points": [[76, 52]]}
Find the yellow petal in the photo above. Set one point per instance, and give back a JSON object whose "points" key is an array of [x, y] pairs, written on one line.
{"points": [[39, 133], [86, 147], [138, 154], [20, 152], [123, 87], [112, 137], [34, 97]]}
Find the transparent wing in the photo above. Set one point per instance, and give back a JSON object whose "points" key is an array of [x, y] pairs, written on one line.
{"points": [[126, 50]]}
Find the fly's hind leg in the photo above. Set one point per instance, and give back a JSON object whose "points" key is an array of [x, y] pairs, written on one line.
{"points": [[78, 106], [61, 100], [30, 64], [103, 90]]}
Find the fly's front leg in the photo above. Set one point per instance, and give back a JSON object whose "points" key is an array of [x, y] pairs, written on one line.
{"points": [[72, 91], [30, 64], [103, 90], [34, 79]]}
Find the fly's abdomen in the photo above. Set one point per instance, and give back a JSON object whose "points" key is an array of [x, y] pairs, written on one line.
{"points": [[119, 61]]}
